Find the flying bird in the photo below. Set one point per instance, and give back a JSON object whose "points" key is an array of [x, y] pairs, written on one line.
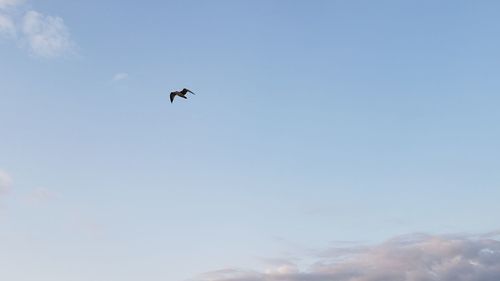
{"points": [[181, 94]]}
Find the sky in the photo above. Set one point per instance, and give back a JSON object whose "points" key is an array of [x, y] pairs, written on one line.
{"points": [[325, 138]]}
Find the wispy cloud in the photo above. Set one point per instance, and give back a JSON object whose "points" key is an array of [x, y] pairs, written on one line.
{"points": [[47, 36], [120, 76], [7, 26], [5, 182], [9, 3], [40, 196], [416, 257], [43, 35]]}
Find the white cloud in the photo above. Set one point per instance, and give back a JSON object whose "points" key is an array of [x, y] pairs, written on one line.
{"points": [[415, 257], [120, 76], [47, 36], [43, 35], [7, 26], [5, 182], [9, 3]]}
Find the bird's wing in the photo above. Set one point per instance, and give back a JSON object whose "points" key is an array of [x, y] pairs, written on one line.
{"points": [[187, 90], [172, 96]]}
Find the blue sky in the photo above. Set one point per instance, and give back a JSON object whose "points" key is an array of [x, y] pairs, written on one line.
{"points": [[314, 122]]}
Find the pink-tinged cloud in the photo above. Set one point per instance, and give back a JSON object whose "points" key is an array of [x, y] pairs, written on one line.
{"points": [[5, 182], [40, 196], [415, 257]]}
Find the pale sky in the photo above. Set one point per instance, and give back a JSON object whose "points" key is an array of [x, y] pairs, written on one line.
{"points": [[315, 123]]}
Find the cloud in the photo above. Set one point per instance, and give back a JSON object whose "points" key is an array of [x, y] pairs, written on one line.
{"points": [[43, 35], [9, 3], [47, 36], [7, 26], [120, 76], [40, 196], [416, 257], [5, 182]]}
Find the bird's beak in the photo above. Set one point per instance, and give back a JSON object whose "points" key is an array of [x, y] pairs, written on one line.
{"points": [[191, 92]]}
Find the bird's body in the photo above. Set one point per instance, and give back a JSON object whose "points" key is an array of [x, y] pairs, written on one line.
{"points": [[181, 94]]}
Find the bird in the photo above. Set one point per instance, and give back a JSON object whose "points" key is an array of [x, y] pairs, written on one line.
{"points": [[181, 94]]}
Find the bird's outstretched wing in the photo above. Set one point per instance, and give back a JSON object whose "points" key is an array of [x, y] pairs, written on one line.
{"points": [[172, 96], [187, 90]]}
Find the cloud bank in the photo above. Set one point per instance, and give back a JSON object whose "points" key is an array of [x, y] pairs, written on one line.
{"points": [[414, 257], [44, 36]]}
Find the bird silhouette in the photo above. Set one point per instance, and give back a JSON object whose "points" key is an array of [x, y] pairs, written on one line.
{"points": [[181, 94]]}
